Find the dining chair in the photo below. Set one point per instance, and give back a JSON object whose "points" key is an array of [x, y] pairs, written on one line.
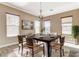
{"points": [[33, 46], [59, 46], [20, 43]]}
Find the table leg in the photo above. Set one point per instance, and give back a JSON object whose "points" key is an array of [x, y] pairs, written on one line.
{"points": [[48, 49]]}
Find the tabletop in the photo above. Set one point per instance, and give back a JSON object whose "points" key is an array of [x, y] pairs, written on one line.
{"points": [[45, 38]]}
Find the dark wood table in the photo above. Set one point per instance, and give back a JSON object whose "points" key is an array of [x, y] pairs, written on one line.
{"points": [[47, 39]]}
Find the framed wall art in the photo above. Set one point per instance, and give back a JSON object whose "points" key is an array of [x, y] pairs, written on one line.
{"points": [[27, 25]]}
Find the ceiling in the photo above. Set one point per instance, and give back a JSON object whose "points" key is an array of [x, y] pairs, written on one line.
{"points": [[48, 8]]}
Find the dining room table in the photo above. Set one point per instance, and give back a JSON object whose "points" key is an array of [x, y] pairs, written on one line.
{"points": [[47, 39]]}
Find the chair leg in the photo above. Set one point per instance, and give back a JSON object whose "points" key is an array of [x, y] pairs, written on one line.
{"points": [[32, 52], [60, 52], [63, 51], [27, 53], [22, 50], [19, 49], [43, 50]]}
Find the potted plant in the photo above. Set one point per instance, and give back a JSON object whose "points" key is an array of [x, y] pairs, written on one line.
{"points": [[75, 33]]}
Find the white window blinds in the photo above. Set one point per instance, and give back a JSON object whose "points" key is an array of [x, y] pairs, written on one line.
{"points": [[12, 22], [67, 25]]}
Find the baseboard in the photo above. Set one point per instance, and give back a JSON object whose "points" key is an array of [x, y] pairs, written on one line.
{"points": [[8, 44]]}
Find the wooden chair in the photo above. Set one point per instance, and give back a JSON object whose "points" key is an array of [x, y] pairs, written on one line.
{"points": [[59, 46], [32, 46], [20, 43]]}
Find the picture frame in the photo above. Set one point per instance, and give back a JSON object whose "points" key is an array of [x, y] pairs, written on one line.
{"points": [[27, 25]]}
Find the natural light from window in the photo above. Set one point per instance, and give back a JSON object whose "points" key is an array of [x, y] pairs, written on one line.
{"points": [[37, 27], [67, 25], [12, 25], [47, 27]]}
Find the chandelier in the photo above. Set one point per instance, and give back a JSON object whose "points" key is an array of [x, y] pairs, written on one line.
{"points": [[41, 16]]}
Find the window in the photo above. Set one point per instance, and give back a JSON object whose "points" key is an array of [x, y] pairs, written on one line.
{"points": [[12, 25], [37, 27], [47, 26], [67, 25]]}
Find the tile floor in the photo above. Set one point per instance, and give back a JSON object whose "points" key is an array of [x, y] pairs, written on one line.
{"points": [[12, 51]]}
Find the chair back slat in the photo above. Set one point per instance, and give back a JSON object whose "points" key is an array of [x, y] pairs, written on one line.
{"points": [[62, 40], [29, 41], [20, 39]]}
